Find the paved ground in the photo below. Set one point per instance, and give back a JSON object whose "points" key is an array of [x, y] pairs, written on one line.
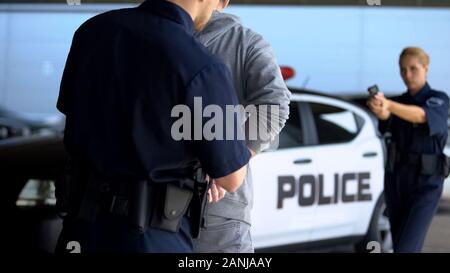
{"points": [[438, 238], [437, 241]]}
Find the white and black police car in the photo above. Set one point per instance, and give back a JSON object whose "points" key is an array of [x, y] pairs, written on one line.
{"points": [[324, 184]]}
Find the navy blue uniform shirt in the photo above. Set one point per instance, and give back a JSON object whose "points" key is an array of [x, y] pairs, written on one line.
{"points": [[427, 138], [411, 196], [125, 72]]}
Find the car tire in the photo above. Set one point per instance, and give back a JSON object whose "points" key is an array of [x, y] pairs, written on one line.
{"points": [[379, 236]]}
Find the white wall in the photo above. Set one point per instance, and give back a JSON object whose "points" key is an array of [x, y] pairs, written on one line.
{"points": [[350, 48], [3, 45], [38, 39], [339, 49]]}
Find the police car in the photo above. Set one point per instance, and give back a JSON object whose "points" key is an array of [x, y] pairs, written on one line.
{"points": [[324, 183]]}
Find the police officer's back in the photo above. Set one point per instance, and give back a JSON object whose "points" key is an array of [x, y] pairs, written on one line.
{"points": [[127, 69]]}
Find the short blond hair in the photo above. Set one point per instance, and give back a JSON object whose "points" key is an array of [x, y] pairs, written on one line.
{"points": [[423, 57]]}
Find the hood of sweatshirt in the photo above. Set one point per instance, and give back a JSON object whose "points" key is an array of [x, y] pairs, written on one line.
{"points": [[219, 23]]}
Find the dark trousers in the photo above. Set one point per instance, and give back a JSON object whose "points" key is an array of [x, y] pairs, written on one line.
{"points": [[412, 200], [111, 233]]}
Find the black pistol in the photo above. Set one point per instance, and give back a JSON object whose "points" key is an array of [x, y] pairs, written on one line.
{"points": [[373, 90], [199, 204]]}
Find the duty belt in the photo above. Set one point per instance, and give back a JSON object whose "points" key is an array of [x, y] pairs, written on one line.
{"points": [[408, 158]]}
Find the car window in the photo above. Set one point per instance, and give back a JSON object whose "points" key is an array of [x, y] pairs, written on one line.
{"points": [[334, 124], [292, 136]]}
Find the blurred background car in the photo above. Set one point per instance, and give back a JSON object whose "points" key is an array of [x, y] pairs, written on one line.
{"points": [[14, 124]]}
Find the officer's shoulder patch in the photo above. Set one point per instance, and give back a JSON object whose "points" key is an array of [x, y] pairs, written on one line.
{"points": [[435, 102]]}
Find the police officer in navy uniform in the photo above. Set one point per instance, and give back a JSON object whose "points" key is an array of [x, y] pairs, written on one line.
{"points": [[130, 184], [416, 166]]}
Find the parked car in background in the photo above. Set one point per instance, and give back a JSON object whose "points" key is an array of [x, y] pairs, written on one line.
{"points": [[14, 124]]}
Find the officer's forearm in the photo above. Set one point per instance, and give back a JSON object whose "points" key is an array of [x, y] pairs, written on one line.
{"points": [[232, 181], [411, 113], [266, 123], [383, 115]]}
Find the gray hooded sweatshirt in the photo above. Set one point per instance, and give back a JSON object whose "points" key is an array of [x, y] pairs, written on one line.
{"points": [[258, 81]]}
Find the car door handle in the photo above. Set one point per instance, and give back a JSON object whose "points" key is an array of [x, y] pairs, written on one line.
{"points": [[303, 161], [370, 154]]}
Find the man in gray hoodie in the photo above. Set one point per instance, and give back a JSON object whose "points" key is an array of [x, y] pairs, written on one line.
{"points": [[258, 81]]}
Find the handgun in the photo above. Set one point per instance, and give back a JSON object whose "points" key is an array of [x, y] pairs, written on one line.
{"points": [[373, 90]]}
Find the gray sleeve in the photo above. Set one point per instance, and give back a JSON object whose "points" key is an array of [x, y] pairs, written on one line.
{"points": [[266, 89]]}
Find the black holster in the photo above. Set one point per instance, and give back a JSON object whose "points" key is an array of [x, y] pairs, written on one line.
{"points": [[170, 207], [391, 156], [429, 164], [199, 203], [445, 166], [432, 164]]}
